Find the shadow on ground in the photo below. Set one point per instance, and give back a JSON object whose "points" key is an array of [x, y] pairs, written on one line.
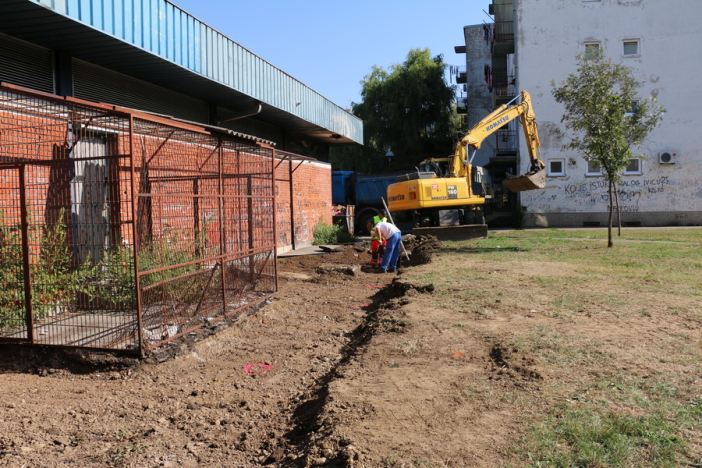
{"points": [[482, 249], [22, 359]]}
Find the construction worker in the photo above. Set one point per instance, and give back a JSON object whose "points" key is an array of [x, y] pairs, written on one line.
{"points": [[390, 233], [377, 245]]}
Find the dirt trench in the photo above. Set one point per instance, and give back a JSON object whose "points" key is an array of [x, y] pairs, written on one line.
{"points": [[313, 441]]}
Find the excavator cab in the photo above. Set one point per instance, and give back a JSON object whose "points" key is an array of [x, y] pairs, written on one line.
{"points": [[439, 166]]}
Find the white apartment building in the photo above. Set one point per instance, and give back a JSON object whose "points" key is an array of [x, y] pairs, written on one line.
{"points": [[659, 40]]}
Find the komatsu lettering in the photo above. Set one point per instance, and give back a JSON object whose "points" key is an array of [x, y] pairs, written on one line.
{"points": [[497, 123]]}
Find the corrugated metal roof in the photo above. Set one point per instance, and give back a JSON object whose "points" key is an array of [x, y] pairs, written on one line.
{"points": [[156, 40]]}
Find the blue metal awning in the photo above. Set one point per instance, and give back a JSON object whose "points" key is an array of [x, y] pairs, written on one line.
{"points": [[158, 42]]}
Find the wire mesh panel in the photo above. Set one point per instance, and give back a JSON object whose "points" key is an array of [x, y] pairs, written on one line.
{"points": [[13, 323], [249, 225], [71, 169], [198, 257], [120, 230]]}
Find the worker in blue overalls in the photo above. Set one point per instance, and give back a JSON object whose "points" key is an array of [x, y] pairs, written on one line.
{"points": [[390, 233]]}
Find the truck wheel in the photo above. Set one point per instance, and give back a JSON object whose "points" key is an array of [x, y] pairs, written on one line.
{"points": [[362, 219]]}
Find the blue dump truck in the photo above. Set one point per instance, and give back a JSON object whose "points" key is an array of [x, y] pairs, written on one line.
{"points": [[364, 192]]}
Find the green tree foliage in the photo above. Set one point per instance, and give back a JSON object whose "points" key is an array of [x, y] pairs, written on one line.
{"points": [[607, 117], [410, 108]]}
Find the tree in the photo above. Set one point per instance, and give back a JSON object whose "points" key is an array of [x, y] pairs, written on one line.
{"points": [[408, 108], [607, 117]]}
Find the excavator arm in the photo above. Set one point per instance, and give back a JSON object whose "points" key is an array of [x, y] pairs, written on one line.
{"points": [[535, 178]]}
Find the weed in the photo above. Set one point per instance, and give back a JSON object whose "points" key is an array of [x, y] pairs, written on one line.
{"points": [[115, 277], [410, 347], [56, 282], [330, 234], [11, 277]]}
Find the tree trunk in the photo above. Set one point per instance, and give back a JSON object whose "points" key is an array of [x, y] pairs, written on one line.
{"points": [[609, 223], [619, 212]]}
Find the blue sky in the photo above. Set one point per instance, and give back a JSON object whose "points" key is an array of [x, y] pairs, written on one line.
{"points": [[329, 44]]}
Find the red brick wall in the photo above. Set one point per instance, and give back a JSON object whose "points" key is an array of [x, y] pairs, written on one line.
{"points": [[311, 197]]}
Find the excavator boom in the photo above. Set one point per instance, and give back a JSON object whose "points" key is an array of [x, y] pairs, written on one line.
{"points": [[535, 178]]}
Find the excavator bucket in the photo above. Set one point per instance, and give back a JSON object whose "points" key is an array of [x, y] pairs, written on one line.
{"points": [[530, 181]]}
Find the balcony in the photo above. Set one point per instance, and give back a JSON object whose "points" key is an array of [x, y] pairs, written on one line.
{"points": [[506, 142], [461, 105], [504, 91], [504, 31]]}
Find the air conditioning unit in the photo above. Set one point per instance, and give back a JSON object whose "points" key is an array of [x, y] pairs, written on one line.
{"points": [[667, 157]]}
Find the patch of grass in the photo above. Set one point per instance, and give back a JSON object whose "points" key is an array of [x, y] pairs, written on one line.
{"points": [[554, 348], [330, 234], [639, 265], [693, 235], [587, 437], [622, 422]]}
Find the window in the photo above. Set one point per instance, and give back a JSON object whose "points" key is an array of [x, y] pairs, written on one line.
{"points": [[592, 49], [631, 48], [593, 168], [556, 167], [634, 109], [634, 167]]}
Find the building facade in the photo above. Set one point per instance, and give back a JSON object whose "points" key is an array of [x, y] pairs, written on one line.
{"points": [[152, 56], [540, 41]]}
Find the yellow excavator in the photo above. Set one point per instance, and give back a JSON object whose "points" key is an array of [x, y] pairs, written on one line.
{"points": [[444, 191]]}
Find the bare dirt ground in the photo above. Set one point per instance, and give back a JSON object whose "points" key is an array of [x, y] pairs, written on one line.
{"points": [[201, 408], [469, 360]]}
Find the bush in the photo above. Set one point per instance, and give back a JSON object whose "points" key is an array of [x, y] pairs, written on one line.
{"points": [[55, 282], [11, 278], [115, 277], [58, 284], [330, 234]]}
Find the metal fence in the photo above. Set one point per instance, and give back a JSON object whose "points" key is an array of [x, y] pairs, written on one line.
{"points": [[121, 230]]}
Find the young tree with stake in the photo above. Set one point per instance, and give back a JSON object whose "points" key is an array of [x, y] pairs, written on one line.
{"points": [[607, 118]]}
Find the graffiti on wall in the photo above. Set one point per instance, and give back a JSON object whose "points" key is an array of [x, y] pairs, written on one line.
{"points": [[629, 191]]}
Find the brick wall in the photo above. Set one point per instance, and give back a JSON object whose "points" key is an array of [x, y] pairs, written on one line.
{"points": [[311, 201]]}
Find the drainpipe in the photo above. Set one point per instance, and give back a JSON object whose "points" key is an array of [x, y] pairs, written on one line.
{"points": [[247, 113]]}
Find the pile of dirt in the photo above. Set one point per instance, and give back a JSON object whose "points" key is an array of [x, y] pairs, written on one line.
{"points": [[506, 362], [308, 263], [421, 248]]}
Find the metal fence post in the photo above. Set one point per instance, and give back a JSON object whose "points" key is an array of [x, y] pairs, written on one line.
{"points": [[135, 237], [275, 223], [26, 264], [222, 230]]}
